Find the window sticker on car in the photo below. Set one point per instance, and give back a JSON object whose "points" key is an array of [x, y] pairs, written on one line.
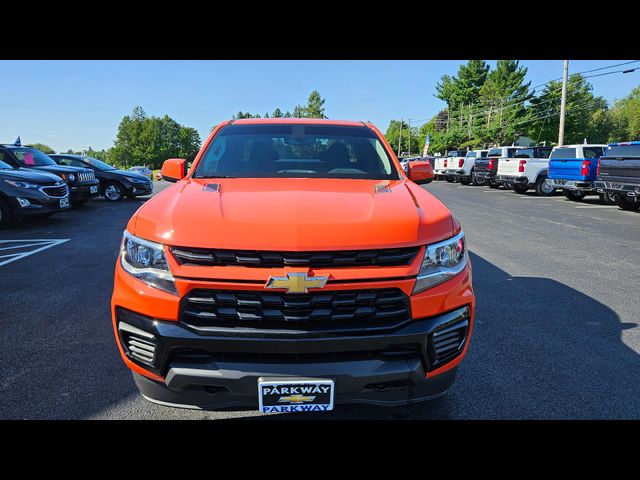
{"points": [[28, 159]]}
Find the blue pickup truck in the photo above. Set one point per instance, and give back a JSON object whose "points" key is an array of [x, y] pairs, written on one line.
{"points": [[619, 174], [573, 169]]}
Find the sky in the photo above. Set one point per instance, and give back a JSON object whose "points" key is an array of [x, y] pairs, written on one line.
{"points": [[79, 104]]}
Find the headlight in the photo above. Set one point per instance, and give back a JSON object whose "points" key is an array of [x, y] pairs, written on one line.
{"points": [[22, 184], [442, 261], [136, 180], [145, 261], [72, 177]]}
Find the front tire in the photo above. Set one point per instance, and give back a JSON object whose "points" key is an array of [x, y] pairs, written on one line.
{"points": [[479, 181], [608, 198], [113, 192], [626, 203], [450, 179], [575, 196], [520, 189], [543, 188]]}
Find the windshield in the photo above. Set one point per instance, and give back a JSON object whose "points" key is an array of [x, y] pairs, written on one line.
{"points": [[99, 164], [494, 152], [623, 151], [31, 157], [524, 153], [563, 153], [296, 151], [4, 165]]}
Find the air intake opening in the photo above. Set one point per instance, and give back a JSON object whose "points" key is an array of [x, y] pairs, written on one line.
{"points": [[447, 342], [138, 344]]}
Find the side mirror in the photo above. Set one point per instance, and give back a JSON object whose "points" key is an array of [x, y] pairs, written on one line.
{"points": [[421, 172], [174, 169]]}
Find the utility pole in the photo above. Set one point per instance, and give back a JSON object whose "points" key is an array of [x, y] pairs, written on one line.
{"points": [[400, 138], [409, 136], [563, 103]]}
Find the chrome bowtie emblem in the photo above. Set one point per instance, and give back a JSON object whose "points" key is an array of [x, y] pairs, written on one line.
{"points": [[296, 282]]}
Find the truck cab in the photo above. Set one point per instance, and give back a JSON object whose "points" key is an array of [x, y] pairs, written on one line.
{"points": [[443, 164], [572, 168], [463, 169], [527, 169], [618, 174], [485, 169]]}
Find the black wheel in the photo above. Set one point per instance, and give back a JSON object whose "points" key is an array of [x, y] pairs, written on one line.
{"points": [[520, 188], [479, 181], [493, 184], [574, 195], [543, 188], [608, 198], [450, 179], [6, 216], [465, 180], [79, 203], [626, 203], [113, 192]]}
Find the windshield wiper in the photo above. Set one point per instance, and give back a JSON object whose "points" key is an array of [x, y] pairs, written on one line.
{"points": [[215, 176]]}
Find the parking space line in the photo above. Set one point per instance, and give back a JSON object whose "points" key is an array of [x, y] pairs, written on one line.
{"points": [[43, 244], [596, 206]]}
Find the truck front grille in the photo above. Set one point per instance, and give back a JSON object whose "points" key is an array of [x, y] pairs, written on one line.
{"points": [[56, 191], [86, 176], [250, 258], [325, 311]]}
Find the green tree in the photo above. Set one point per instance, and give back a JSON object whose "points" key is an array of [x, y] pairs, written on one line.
{"points": [[582, 107], [503, 97], [315, 106], [277, 113], [624, 118], [444, 91], [43, 148], [395, 136], [288, 114]]}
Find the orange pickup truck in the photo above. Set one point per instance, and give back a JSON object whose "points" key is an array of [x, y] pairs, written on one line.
{"points": [[295, 266]]}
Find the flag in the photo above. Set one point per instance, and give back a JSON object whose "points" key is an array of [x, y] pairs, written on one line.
{"points": [[426, 145]]}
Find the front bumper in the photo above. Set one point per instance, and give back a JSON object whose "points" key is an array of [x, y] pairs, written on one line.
{"points": [[577, 185], [628, 189], [140, 189], [220, 369], [84, 191], [229, 375]]}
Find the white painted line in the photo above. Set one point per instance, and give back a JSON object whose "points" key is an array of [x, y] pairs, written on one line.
{"points": [[596, 206], [46, 243], [25, 246]]}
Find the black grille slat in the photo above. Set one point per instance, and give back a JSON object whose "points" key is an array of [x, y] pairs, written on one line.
{"points": [[268, 259], [54, 191], [339, 310]]}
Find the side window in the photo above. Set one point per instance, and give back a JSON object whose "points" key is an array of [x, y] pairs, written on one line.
{"points": [[64, 161], [543, 153], [511, 152], [78, 163], [592, 152], [483, 154]]}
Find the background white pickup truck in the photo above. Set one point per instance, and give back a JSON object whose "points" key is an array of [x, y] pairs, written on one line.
{"points": [[463, 168], [442, 164], [527, 169]]}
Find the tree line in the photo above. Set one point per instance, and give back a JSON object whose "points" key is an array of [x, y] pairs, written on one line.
{"points": [[313, 109], [487, 107]]}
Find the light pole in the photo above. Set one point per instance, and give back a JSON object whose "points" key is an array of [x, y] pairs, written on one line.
{"points": [[563, 103]]}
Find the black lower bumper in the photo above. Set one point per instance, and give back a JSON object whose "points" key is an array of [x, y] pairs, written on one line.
{"points": [[221, 370], [83, 192], [38, 206], [628, 189], [226, 385]]}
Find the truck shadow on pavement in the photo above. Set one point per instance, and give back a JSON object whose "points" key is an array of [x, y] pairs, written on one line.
{"points": [[540, 350]]}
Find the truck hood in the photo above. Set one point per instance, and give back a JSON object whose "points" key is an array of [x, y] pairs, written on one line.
{"points": [[29, 175], [56, 169], [292, 214]]}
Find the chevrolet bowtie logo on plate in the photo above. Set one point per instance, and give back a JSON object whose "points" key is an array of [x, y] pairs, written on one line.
{"points": [[296, 282], [297, 399]]}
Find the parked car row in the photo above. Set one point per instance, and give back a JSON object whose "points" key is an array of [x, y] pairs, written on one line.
{"points": [[610, 171], [33, 184]]}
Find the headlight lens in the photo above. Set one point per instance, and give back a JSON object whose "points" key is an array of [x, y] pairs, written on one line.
{"points": [[442, 261], [22, 184], [72, 177], [145, 261]]}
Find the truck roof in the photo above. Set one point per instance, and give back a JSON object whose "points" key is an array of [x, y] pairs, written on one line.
{"points": [[307, 121], [635, 142], [581, 145]]}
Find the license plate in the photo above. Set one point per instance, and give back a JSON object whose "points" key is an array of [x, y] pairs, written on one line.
{"points": [[295, 395], [93, 189], [616, 186], [561, 182], [64, 202]]}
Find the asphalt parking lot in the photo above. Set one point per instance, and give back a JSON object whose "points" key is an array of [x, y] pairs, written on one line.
{"points": [[556, 334]]}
